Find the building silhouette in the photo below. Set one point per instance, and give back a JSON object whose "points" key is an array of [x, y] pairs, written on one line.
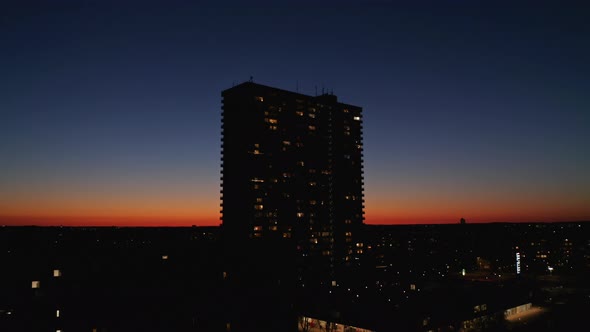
{"points": [[292, 168], [292, 187]]}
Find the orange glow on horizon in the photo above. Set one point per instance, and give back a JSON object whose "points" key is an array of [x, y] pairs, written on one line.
{"points": [[187, 221], [132, 221], [186, 210], [473, 216], [137, 210], [435, 209]]}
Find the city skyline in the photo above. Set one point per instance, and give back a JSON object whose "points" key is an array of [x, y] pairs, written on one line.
{"points": [[111, 112]]}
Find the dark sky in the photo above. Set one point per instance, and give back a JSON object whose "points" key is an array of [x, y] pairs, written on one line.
{"points": [[475, 109]]}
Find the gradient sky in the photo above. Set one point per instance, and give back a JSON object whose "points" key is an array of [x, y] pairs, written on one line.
{"points": [[110, 110]]}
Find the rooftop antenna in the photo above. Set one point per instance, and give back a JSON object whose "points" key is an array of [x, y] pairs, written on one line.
{"points": [[251, 79]]}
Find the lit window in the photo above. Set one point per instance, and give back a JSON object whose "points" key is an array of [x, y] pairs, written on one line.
{"points": [[272, 127], [311, 127], [57, 313], [300, 113], [311, 115], [259, 98], [35, 284], [286, 142], [357, 118], [348, 233], [56, 273], [300, 214], [345, 110], [257, 180], [258, 200], [273, 228], [312, 184], [257, 228], [300, 163], [313, 202], [258, 207], [359, 245], [164, 257]]}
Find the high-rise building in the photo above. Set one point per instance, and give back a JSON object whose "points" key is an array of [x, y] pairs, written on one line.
{"points": [[292, 169]]}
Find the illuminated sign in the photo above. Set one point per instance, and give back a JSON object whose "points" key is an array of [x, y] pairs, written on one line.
{"points": [[517, 263]]}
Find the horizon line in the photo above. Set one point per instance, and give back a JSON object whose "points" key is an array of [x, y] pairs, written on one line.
{"points": [[366, 224]]}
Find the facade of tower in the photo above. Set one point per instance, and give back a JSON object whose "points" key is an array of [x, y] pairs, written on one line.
{"points": [[292, 171]]}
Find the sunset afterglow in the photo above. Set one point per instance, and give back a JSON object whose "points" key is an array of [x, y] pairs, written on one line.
{"points": [[470, 111]]}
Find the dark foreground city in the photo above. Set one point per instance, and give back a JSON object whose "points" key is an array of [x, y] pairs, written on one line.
{"points": [[460, 277]]}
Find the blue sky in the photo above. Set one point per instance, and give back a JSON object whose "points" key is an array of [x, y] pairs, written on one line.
{"points": [[475, 110]]}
